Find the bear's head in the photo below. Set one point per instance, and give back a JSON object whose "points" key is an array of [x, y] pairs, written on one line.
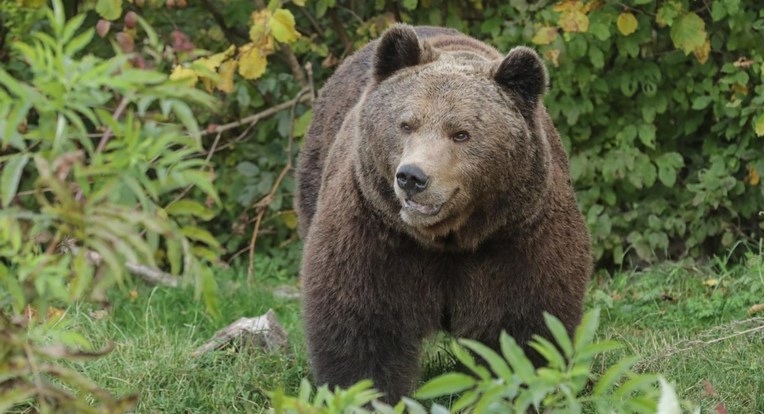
{"points": [[451, 142]]}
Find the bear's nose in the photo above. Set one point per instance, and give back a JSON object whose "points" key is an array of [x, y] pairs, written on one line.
{"points": [[411, 179]]}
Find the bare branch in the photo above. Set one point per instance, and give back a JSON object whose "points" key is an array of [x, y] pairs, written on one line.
{"points": [[252, 119], [148, 274], [263, 204]]}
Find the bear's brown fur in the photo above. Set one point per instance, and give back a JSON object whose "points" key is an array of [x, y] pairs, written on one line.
{"points": [[433, 193]]}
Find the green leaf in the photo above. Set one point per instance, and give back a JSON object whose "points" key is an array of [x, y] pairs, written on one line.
{"points": [[11, 284], [12, 171], [496, 363], [445, 384], [79, 42], [668, 12], [560, 334], [466, 359], [410, 4], [202, 235], [247, 169], [190, 208], [209, 290], [549, 351], [758, 127], [637, 383], [586, 352], [514, 354], [301, 124], [647, 135], [109, 9], [701, 102], [174, 255], [612, 375], [467, 399], [668, 164], [688, 33], [597, 58]]}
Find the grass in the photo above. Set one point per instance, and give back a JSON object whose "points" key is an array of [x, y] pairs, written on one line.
{"points": [[689, 322]]}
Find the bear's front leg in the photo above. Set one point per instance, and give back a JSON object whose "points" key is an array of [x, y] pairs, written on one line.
{"points": [[344, 351], [366, 307]]}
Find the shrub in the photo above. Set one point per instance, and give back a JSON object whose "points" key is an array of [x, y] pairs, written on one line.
{"points": [[86, 190], [659, 104]]}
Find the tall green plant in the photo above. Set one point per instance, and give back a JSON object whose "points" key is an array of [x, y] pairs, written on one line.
{"points": [[91, 151], [507, 382]]}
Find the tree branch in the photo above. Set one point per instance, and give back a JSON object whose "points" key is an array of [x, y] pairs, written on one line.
{"points": [[264, 202]]}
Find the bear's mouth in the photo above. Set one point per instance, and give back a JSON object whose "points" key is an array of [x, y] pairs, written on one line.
{"points": [[424, 209]]}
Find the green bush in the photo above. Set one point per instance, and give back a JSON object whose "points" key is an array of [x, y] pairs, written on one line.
{"points": [[659, 103], [86, 192]]}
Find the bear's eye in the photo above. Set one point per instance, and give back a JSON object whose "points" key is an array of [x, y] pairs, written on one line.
{"points": [[461, 136], [406, 127]]}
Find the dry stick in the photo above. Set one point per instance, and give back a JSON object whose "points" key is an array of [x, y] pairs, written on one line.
{"points": [[264, 202], [256, 117], [293, 63], [148, 274]]}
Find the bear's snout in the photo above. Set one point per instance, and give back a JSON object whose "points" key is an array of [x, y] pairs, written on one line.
{"points": [[411, 179]]}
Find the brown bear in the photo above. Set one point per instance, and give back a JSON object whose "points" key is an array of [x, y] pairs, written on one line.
{"points": [[433, 193]]}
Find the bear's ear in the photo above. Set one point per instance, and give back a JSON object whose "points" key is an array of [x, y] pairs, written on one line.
{"points": [[399, 48], [524, 73]]}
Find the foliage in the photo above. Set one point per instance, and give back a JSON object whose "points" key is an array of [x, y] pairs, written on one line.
{"points": [[511, 384], [661, 108], [84, 192], [658, 103]]}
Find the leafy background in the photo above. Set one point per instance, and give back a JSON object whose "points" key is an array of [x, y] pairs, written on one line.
{"points": [[202, 106], [658, 102]]}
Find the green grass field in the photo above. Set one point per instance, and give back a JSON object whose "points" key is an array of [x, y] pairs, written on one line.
{"points": [[692, 323]]}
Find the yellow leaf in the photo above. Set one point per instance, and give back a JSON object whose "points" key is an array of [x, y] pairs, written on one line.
{"points": [[252, 63], [568, 6], [259, 24], [626, 23], [290, 219], [702, 52], [188, 75], [752, 177], [711, 282], [593, 5], [282, 25], [573, 16], [740, 89], [226, 72], [574, 21], [758, 127], [299, 3], [755, 309], [545, 36], [212, 62], [133, 294], [552, 55]]}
